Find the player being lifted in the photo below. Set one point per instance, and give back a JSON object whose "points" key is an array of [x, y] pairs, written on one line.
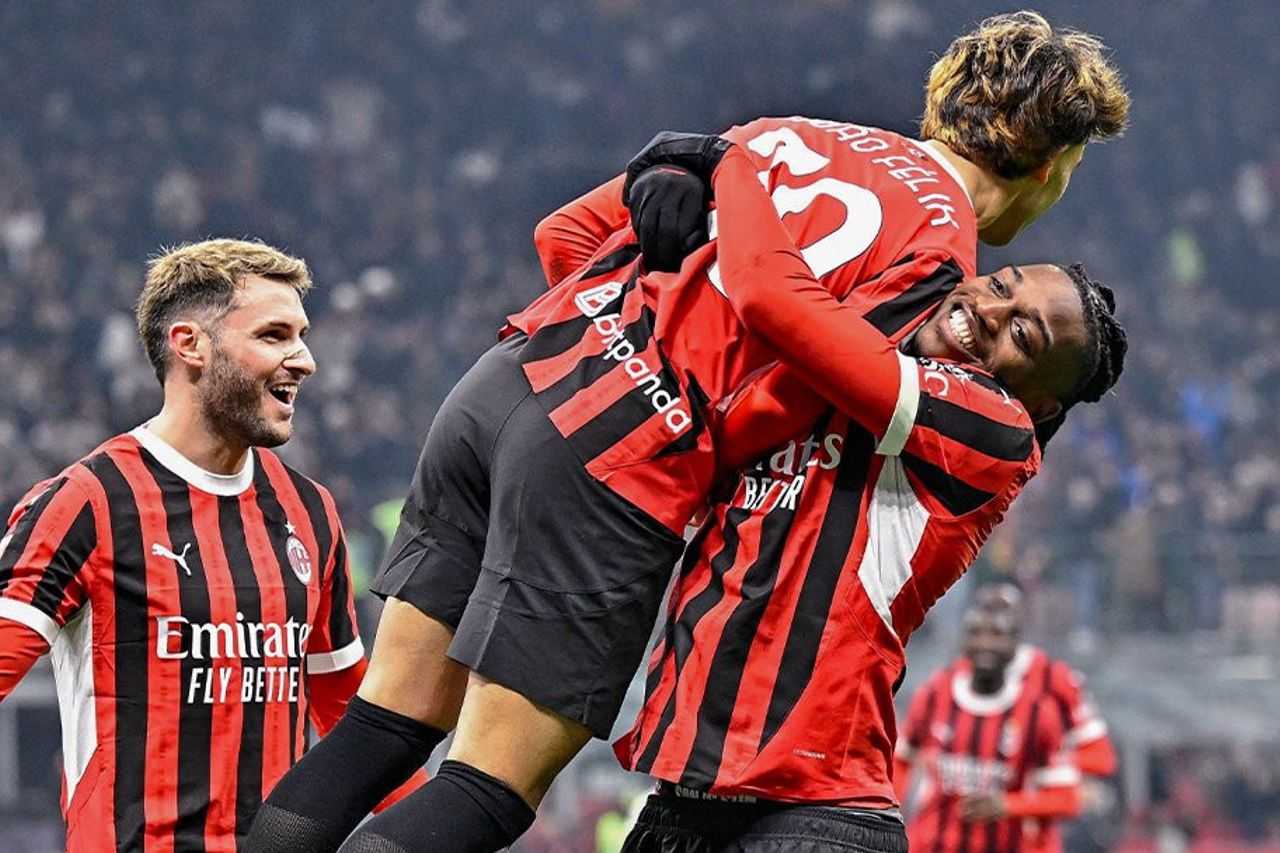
{"points": [[546, 510], [192, 588]]}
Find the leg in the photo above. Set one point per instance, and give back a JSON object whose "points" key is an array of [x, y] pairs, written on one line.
{"points": [[505, 754], [388, 732], [409, 672], [509, 737]]}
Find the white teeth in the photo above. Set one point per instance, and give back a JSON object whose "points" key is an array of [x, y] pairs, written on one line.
{"points": [[960, 328]]}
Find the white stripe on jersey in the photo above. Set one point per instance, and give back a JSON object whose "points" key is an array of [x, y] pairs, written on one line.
{"points": [[31, 616], [904, 413], [321, 663], [72, 658], [895, 524]]}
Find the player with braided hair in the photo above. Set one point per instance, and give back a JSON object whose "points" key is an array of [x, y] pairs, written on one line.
{"points": [[769, 718]]}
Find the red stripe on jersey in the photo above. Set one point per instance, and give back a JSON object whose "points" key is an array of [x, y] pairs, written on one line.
{"points": [[545, 372], [965, 463], [228, 717], [678, 741], [90, 805], [276, 746], [589, 403], [164, 676], [762, 669], [296, 510], [335, 565], [50, 528]]}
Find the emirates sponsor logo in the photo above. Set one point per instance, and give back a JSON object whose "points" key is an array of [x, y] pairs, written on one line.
{"points": [[227, 646], [964, 775], [664, 401]]}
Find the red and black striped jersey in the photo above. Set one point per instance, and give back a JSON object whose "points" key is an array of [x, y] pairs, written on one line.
{"points": [[184, 611], [1066, 687], [631, 367], [787, 624], [968, 743]]}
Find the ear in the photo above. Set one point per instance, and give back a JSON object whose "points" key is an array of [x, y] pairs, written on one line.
{"points": [[188, 344], [1043, 171], [1045, 410]]}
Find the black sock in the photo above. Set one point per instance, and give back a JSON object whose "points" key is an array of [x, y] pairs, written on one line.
{"points": [[461, 810], [368, 754]]}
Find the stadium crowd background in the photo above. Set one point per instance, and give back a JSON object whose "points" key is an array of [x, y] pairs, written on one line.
{"points": [[407, 149]]}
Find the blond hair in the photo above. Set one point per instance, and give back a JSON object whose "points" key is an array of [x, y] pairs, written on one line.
{"points": [[1014, 92], [201, 280]]}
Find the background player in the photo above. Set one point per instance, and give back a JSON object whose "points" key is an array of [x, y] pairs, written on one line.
{"points": [[531, 704], [193, 589], [992, 739]]}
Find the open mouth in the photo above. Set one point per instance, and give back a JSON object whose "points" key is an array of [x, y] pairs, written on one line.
{"points": [[962, 329], [285, 392]]}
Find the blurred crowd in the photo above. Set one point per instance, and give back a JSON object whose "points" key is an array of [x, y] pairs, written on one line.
{"points": [[406, 150]]}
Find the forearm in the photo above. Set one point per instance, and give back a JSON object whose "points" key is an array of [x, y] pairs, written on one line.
{"points": [[20, 648], [567, 238], [1096, 758], [839, 354], [1060, 801]]}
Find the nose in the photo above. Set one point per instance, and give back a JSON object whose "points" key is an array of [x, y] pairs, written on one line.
{"points": [[301, 361], [993, 312]]}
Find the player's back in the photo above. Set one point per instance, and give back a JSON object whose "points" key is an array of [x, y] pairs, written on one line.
{"points": [[632, 365]]}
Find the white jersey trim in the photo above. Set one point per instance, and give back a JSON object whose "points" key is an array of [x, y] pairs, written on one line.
{"points": [[1056, 776], [905, 410], [72, 658], [321, 663], [1087, 732], [895, 525], [215, 484], [1003, 699], [31, 616]]}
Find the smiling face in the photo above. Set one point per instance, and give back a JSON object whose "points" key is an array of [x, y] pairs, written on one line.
{"points": [[990, 642], [257, 363], [1023, 325]]}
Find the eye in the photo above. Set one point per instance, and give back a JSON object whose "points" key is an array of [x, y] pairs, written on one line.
{"points": [[1021, 338], [999, 288]]}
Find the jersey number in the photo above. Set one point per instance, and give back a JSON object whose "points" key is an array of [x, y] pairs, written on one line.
{"points": [[863, 215]]}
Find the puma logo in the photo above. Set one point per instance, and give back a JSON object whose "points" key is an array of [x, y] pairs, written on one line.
{"points": [[158, 550]]}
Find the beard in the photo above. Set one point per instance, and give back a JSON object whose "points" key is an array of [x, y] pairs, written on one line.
{"points": [[231, 403]]}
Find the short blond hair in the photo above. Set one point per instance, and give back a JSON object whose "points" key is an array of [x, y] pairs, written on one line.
{"points": [[1014, 92], [200, 280]]}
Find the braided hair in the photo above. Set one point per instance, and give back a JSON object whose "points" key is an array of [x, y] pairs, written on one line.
{"points": [[1105, 346]]}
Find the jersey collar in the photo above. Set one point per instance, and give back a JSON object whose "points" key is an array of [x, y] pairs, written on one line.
{"points": [[214, 484], [982, 705]]}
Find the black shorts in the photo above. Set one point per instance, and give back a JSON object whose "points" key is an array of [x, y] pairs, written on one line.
{"points": [[677, 825], [551, 581]]}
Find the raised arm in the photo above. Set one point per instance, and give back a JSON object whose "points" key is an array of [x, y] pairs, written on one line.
{"points": [[567, 238]]}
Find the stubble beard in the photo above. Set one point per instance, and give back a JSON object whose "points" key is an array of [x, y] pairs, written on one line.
{"points": [[231, 403]]}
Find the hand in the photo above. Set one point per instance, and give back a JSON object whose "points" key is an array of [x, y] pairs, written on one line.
{"points": [[668, 207], [981, 808], [699, 153]]}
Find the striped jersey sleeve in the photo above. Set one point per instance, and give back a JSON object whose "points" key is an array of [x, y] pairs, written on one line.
{"points": [[51, 536], [1056, 766], [959, 433], [336, 643], [1067, 687]]}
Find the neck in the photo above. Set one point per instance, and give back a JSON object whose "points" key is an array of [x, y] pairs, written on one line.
{"points": [[181, 426], [991, 195], [987, 683]]}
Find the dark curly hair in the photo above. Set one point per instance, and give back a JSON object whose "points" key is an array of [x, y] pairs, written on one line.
{"points": [[1105, 346]]}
